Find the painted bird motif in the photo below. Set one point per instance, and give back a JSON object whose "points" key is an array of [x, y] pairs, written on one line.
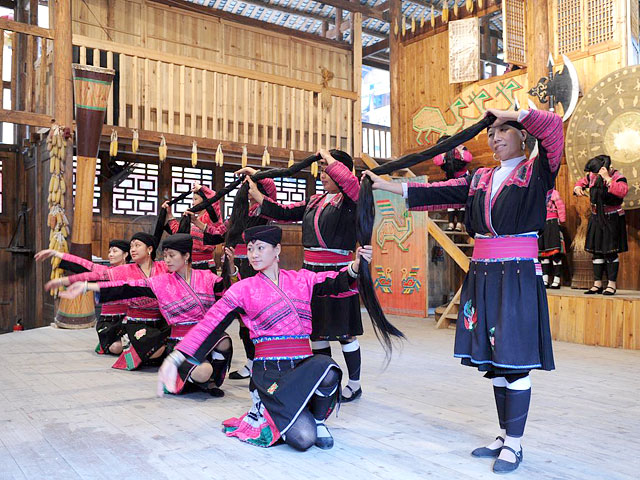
{"points": [[384, 281], [391, 228], [410, 282]]}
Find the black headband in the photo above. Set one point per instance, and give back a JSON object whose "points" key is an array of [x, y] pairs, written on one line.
{"points": [[148, 240], [270, 234], [182, 242], [121, 244]]}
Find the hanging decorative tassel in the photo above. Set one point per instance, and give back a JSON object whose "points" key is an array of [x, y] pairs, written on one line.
{"points": [[469, 5], [404, 25], [433, 18], [266, 158], [413, 23], [291, 160], [445, 12], [162, 149], [135, 142], [395, 27], [243, 161], [455, 8], [219, 156], [194, 154], [113, 146]]}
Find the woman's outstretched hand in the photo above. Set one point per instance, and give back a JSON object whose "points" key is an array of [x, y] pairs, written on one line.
{"points": [[378, 183], [167, 375], [48, 253], [73, 291]]}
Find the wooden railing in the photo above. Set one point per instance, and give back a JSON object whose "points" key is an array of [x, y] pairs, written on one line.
{"points": [[161, 92], [376, 140]]}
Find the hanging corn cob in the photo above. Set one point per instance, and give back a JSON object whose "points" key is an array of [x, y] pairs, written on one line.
{"points": [[314, 169], [244, 156], [219, 156], [445, 12], [162, 149], [413, 23], [135, 142], [194, 154], [480, 4], [433, 17], [113, 146], [404, 25], [469, 5], [395, 27], [266, 158], [422, 21], [291, 159], [56, 219], [455, 8]]}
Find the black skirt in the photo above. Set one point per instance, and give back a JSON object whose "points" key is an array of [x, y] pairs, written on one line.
{"points": [[109, 329], [607, 239], [145, 339], [334, 318], [503, 322], [286, 386], [551, 242]]}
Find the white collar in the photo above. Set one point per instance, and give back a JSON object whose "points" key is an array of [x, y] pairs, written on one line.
{"points": [[512, 162]]}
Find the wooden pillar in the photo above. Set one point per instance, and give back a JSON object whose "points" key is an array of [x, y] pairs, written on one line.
{"points": [[537, 43], [394, 70], [356, 44]]}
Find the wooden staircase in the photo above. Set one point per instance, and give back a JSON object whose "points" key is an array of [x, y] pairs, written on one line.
{"points": [[447, 314]]}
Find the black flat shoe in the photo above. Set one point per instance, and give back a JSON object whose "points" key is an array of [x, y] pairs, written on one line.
{"points": [[591, 291], [237, 376], [502, 466], [325, 443], [485, 452], [610, 291], [353, 396]]}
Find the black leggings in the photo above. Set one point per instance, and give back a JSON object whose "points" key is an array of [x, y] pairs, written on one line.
{"points": [[608, 261], [302, 434]]}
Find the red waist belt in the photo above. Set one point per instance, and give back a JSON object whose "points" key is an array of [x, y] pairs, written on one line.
{"points": [[283, 348], [326, 257], [114, 309], [202, 256], [608, 209], [180, 330], [505, 248], [240, 250]]}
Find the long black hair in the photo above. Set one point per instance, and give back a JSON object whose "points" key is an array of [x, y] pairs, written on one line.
{"points": [[185, 221], [366, 215], [599, 189]]}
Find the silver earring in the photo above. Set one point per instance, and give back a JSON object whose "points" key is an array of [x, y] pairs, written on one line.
{"points": [[523, 146]]}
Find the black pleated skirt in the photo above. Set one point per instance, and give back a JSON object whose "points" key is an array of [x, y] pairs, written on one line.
{"points": [[609, 238]]}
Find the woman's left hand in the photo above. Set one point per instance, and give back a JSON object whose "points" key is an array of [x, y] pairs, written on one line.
{"points": [[502, 116], [73, 291], [167, 375], [326, 156], [604, 173], [229, 252], [365, 252]]}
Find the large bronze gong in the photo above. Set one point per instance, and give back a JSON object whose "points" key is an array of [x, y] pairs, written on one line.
{"points": [[607, 121]]}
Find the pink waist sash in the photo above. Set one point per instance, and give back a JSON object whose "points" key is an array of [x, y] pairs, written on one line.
{"points": [[180, 330], [283, 348], [505, 247]]}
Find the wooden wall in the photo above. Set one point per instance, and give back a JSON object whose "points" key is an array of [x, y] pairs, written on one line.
{"points": [[420, 78]]}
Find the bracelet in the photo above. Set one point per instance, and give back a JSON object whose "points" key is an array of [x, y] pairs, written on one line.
{"points": [[235, 273], [351, 271], [176, 357]]}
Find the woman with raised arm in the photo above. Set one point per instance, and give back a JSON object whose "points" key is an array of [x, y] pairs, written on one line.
{"points": [[184, 295], [329, 240], [503, 324], [293, 390], [109, 325], [145, 331]]}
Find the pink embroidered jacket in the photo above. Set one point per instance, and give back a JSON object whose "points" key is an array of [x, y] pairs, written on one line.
{"points": [[326, 222], [555, 207], [143, 308], [79, 265], [267, 309], [616, 191], [182, 304], [200, 251]]}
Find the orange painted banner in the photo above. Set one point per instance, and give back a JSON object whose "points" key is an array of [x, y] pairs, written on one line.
{"points": [[399, 266]]}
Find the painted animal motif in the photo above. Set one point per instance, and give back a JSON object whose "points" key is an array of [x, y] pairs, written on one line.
{"points": [[410, 282], [430, 120], [384, 281], [391, 228]]}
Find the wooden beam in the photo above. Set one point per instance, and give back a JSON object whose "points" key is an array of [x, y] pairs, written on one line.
{"points": [[375, 47], [449, 246], [25, 118], [356, 39], [202, 64], [375, 63], [25, 28]]}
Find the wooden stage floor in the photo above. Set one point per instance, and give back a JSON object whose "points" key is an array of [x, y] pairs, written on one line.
{"points": [[65, 414]]}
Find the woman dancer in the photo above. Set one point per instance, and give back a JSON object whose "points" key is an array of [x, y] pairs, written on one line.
{"points": [[503, 325], [293, 390], [551, 242]]}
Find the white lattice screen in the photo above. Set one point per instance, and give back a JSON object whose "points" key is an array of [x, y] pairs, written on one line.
{"points": [[464, 50], [514, 31], [138, 193], [182, 179], [600, 21], [584, 23], [569, 18]]}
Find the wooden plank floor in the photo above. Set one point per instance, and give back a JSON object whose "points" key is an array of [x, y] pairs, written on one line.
{"points": [[64, 413]]}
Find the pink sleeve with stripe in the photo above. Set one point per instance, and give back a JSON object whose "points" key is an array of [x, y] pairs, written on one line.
{"points": [[83, 262], [547, 128], [345, 179], [618, 187]]}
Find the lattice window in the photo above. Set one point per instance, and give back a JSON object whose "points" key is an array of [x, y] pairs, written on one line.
{"points": [[634, 27], [514, 31], [600, 21], [182, 179], [138, 193], [464, 50], [569, 18], [319, 187], [96, 186], [227, 201]]}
